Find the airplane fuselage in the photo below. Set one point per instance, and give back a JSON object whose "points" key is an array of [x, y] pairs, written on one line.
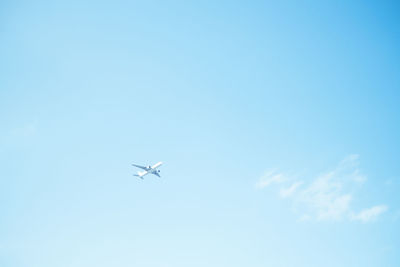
{"points": [[150, 170]]}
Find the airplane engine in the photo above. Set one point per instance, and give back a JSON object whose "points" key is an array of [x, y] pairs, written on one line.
{"points": [[158, 170]]}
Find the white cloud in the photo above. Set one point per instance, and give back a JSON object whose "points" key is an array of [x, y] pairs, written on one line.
{"points": [[370, 214], [327, 197], [305, 218], [287, 192], [348, 169], [350, 160], [270, 178]]}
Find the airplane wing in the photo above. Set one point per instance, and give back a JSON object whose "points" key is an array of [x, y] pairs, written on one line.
{"points": [[156, 165], [156, 173], [142, 167]]}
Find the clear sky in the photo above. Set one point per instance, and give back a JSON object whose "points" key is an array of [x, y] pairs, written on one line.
{"points": [[278, 125]]}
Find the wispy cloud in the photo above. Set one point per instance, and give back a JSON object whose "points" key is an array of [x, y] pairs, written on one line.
{"points": [[270, 177], [327, 197], [370, 214], [288, 191], [349, 169]]}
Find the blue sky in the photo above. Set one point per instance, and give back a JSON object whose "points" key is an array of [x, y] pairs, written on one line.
{"points": [[278, 125]]}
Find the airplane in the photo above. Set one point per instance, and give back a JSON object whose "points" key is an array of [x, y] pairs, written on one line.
{"points": [[148, 170]]}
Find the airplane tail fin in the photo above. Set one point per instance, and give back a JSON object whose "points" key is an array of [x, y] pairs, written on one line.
{"points": [[138, 176]]}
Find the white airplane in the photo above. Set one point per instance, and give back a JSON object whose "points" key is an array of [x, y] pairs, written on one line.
{"points": [[148, 170]]}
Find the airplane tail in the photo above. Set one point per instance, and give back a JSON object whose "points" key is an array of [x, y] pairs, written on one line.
{"points": [[138, 176]]}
